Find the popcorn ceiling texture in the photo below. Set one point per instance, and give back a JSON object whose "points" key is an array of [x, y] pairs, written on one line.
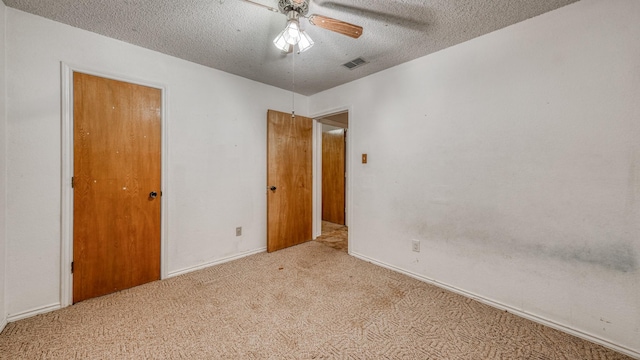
{"points": [[236, 37]]}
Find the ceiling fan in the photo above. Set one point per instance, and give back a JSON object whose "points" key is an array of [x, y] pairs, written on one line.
{"points": [[293, 35]]}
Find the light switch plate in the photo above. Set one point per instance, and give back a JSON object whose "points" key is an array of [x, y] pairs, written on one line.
{"points": [[415, 245]]}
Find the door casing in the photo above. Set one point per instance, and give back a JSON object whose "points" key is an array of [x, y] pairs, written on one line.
{"points": [[66, 254], [317, 168]]}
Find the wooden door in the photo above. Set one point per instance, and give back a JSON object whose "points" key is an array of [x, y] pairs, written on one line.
{"points": [[116, 218], [289, 174], [333, 173]]}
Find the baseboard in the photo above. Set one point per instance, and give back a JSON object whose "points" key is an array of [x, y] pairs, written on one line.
{"points": [[215, 262], [33, 312], [57, 306], [3, 324], [498, 305]]}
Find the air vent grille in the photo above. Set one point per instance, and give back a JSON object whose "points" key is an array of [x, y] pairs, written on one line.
{"points": [[357, 62]]}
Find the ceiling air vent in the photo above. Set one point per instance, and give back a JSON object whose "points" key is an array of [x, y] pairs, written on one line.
{"points": [[354, 63]]}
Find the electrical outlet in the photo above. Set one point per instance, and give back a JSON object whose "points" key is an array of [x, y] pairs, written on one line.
{"points": [[239, 231], [415, 245]]}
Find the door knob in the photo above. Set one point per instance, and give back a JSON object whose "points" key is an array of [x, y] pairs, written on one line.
{"points": [[272, 188], [153, 195]]}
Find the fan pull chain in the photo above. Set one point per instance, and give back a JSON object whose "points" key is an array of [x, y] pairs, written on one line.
{"points": [[293, 83]]}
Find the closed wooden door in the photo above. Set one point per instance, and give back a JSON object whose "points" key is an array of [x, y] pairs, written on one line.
{"points": [[116, 207], [333, 173], [289, 180]]}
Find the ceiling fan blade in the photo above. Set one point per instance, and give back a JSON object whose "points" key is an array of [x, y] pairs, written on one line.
{"points": [[262, 5], [420, 19], [338, 26]]}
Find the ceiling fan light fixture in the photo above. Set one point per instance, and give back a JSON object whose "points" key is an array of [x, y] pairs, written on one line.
{"points": [[305, 42], [292, 32], [292, 35], [281, 43]]}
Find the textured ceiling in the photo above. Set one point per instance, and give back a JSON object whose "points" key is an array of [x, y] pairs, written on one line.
{"points": [[236, 37]]}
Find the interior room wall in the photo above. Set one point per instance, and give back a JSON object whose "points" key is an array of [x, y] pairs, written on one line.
{"points": [[514, 159], [326, 128], [3, 167], [216, 153], [340, 120]]}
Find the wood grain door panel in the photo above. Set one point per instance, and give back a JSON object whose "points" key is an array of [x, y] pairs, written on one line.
{"points": [[333, 176], [289, 169], [116, 225]]}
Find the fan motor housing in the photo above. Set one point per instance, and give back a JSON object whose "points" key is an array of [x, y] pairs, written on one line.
{"points": [[300, 7]]}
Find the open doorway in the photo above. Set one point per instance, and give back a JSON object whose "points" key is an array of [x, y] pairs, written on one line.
{"points": [[333, 184]]}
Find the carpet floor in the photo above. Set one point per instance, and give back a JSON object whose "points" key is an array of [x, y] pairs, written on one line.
{"points": [[306, 302]]}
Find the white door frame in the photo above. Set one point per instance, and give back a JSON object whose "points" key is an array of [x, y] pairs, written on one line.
{"points": [[317, 168], [66, 249]]}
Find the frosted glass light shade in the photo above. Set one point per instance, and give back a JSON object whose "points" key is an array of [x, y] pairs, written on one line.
{"points": [[281, 43], [292, 32], [291, 36], [305, 42]]}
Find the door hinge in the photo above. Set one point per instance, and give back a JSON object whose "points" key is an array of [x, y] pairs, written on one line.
{"points": [[72, 267], [72, 182]]}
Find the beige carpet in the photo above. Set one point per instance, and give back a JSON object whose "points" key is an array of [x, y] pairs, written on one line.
{"points": [[305, 302]]}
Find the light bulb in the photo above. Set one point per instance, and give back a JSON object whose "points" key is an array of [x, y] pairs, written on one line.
{"points": [[292, 32]]}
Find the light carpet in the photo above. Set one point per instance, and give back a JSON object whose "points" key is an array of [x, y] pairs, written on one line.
{"points": [[305, 302]]}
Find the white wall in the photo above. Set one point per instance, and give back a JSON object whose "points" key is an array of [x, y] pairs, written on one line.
{"points": [[515, 159], [327, 128], [217, 153], [3, 167]]}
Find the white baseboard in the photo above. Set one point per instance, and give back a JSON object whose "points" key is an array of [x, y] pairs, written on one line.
{"points": [[215, 262], [504, 307], [3, 323], [57, 306], [33, 312]]}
